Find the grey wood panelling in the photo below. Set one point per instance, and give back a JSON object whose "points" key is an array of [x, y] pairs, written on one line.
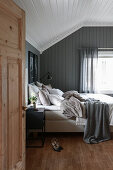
{"points": [[62, 59]]}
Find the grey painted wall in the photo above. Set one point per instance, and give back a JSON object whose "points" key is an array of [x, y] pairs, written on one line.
{"points": [[29, 47], [62, 59]]}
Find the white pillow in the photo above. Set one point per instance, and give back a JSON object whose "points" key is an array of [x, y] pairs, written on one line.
{"points": [[56, 91], [55, 99], [39, 84], [34, 91], [45, 90], [47, 86], [44, 98]]}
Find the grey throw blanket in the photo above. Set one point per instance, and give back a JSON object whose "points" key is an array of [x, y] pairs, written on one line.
{"points": [[97, 124]]}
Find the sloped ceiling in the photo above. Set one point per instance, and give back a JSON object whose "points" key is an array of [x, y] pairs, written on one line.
{"points": [[49, 21]]}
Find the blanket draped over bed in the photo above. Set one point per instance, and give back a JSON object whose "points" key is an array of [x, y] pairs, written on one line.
{"points": [[97, 114], [97, 124], [71, 106]]}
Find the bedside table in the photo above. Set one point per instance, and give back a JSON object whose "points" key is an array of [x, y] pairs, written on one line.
{"points": [[35, 120]]}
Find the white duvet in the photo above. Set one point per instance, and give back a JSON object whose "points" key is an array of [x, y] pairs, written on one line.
{"points": [[81, 121]]}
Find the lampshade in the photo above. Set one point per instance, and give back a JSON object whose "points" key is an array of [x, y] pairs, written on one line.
{"points": [[49, 77]]}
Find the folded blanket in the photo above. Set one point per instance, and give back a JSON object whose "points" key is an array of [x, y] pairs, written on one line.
{"points": [[97, 124]]}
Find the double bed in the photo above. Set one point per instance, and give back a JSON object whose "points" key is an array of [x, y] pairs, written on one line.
{"points": [[56, 121]]}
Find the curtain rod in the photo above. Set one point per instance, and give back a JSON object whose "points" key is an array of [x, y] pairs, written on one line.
{"points": [[97, 48], [105, 48]]}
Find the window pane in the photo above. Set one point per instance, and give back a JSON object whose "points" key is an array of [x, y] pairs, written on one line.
{"points": [[104, 75]]}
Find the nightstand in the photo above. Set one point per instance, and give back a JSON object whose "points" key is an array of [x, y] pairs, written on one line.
{"points": [[35, 121]]}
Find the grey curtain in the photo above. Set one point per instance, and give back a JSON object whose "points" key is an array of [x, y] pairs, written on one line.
{"points": [[88, 65]]}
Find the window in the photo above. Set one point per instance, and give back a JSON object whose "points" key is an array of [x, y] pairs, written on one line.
{"points": [[104, 72]]}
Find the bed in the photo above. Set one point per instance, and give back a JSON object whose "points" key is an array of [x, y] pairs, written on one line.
{"points": [[56, 121]]}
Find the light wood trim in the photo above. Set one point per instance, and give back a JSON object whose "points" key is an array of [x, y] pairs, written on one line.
{"points": [[0, 114], [20, 103], [23, 89]]}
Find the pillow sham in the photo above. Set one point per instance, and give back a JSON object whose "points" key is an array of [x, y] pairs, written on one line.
{"points": [[47, 86], [45, 90], [39, 84], [44, 98], [34, 91], [56, 91], [55, 99]]}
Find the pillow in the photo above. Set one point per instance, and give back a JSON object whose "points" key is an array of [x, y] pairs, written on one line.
{"points": [[38, 102], [39, 84], [47, 86], [55, 99], [56, 91], [34, 91], [44, 98], [45, 90]]}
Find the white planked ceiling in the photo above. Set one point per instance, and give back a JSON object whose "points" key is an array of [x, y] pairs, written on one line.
{"points": [[49, 21]]}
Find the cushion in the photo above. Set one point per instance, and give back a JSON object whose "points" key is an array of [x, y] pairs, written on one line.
{"points": [[38, 102], [39, 84], [34, 91], [45, 90], [56, 91], [47, 86], [44, 98], [55, 99]]}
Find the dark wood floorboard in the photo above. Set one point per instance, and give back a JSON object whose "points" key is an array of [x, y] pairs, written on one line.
{"points": [[76, 154]]}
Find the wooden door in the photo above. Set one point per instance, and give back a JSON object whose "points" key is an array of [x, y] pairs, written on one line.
{"points": [[12, 62]]}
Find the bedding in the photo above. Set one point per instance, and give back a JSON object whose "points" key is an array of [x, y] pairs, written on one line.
{"points": [[56, 91], [73, 93], [49, 108], [81, 120], [39, 84], [71, 107], [102, 98], [55, 99], [97, 124], [44, 98], [56, 121], [47, 86], [34, 91]]}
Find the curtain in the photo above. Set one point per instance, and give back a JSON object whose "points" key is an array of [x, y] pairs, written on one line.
{"points": [[88, 65]]}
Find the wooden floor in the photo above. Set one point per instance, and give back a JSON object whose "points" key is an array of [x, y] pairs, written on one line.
{"points": [[76, 155]]}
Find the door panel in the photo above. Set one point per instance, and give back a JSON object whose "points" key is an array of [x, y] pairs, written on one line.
{"points": [[3, 82], [12, 83], [9, 29], [14, 112]]}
